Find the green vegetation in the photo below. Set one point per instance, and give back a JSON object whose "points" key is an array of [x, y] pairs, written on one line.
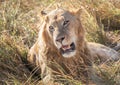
{"points": [[19, 25]]}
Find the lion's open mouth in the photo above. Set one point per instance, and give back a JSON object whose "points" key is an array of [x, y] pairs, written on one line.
{"points": [[67, 48]]}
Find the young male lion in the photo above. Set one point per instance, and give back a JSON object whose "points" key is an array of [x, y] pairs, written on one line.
{"points": [[61, 44]]}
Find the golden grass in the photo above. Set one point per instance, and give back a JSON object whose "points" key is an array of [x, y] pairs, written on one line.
{"points": [[19, 22]]}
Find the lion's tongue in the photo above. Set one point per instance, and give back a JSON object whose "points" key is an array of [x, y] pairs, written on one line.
{"points": [[65, 47]]}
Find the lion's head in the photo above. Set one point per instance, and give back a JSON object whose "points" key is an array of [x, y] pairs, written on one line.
{"points": [[62, 29]]}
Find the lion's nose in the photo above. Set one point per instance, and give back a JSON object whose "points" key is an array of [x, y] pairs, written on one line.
{"points": [[60, 39]]}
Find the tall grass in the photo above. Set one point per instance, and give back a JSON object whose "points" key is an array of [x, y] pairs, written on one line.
{"points": [[19, 23]]}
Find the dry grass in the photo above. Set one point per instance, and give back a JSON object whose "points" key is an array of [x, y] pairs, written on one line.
{"points": [[19, 22]]}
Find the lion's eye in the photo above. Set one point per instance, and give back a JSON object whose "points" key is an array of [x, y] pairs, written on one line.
{"points": [[66, 23], [51, 28]]}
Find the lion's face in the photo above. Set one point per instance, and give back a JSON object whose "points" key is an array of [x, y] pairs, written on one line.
{"points": [[62, 27]]}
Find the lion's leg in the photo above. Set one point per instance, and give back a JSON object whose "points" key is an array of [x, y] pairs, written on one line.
{"points": [[32, 60], [38, 64], [103, 53], [95, 78]]}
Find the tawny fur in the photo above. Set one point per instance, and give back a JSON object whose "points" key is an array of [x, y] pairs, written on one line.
{"points": [[46, 55]]}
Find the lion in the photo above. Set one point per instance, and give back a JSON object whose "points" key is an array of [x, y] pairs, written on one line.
{"points": [[61, 43]]}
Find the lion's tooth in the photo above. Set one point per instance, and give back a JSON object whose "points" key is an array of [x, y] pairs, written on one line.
{"points": [[65, 47]]}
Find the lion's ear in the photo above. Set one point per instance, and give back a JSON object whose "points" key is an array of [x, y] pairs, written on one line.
{"points": [[58, 6], [46, 19], [43, 12], [77, 12]]}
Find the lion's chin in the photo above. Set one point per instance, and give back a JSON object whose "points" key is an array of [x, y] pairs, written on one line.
{"points": [[69, 54]]}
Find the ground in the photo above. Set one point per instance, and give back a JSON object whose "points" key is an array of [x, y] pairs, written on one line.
{"points": [[19, 25]]}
